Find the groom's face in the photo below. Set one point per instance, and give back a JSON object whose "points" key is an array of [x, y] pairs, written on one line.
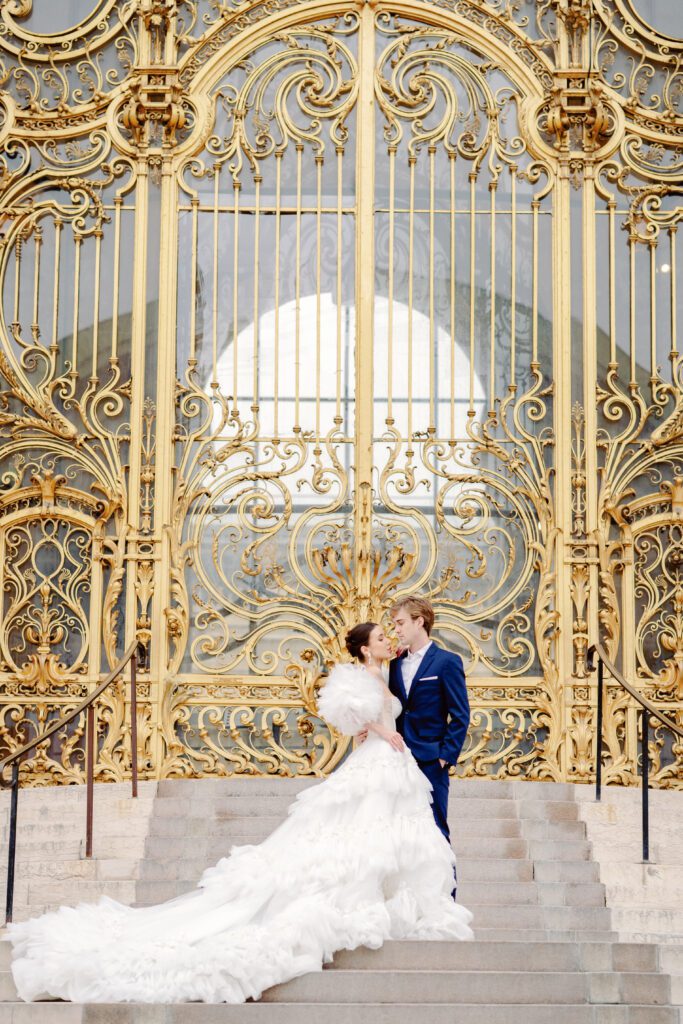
{"points": [[408, 630]]}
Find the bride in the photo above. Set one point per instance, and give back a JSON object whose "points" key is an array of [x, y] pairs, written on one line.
{"points": [[357, 861]]}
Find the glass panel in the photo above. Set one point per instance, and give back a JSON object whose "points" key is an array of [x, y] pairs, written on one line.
{"points": [[665, 16], [460, 305], [266, 347], [45, 17]]}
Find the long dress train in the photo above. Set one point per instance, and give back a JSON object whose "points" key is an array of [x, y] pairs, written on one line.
{"points": [[358, 860]]}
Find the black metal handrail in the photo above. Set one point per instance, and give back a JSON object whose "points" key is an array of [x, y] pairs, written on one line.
{"points": [[14, 759], [647, 710]]}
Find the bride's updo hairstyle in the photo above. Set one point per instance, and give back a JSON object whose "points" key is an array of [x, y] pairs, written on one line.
{"points": [[358, 637]]}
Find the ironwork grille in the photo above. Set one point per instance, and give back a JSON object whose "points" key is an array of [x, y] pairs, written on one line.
{"points": [[309, 305]]}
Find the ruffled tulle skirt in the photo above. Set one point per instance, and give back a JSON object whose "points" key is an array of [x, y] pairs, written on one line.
{"points": [[357, 861]]}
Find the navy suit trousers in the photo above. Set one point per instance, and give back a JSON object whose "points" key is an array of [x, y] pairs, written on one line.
{"points": [[439, 779]]}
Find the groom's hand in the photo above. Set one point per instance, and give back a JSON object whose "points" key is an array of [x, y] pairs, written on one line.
{"points": [[442, 762]]}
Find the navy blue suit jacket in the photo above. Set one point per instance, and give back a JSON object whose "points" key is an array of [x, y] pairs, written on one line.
{"points": [[436, 713]]}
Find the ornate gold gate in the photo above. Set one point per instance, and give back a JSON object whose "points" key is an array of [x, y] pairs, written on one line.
{"points": [[306, 305]]}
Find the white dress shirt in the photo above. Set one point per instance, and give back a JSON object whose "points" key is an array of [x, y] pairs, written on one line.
{"points": [[410, 665]]}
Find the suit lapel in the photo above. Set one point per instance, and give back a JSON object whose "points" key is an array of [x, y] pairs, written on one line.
{"points": [[424, 666], [398, 668]]}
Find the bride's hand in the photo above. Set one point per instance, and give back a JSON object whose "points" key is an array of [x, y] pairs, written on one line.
{"points": [[394, 739]]}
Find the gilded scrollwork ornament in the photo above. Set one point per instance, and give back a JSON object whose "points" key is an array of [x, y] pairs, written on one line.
{"points": [[291, 325]]}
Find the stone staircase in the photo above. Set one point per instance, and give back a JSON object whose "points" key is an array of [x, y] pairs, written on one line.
{"points": [[545, 950]]}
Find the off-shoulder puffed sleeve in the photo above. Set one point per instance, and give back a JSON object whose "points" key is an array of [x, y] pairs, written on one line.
{"points": [[350, 699]]}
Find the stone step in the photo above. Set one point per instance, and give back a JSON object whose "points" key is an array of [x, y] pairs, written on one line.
{"points": [[473, 787], [486, 915], [204, 827], [505, 956], [470, 893], [553, 894], [529, 935], [565, 871], [463, 808], [214, 848], [41, 893], [104, 847], [525, 870], [541, 957], [485, 987], [76, 813], [335, 1013], [68, 795], [95, 868], [547, 918], [544, 849], [548, 810], [469, 870], [103, 826], [70, 837], [535, 828]]}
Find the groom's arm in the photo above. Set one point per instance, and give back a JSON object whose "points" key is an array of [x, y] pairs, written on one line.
{"points": [[458, 706]]}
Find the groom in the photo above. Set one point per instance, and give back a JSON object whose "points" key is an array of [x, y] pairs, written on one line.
{"points": [[430, 683]]}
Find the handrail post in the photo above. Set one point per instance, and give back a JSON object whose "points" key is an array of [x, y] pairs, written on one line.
{"points": [[645, 772], [598, 739], [12, 851], [134, 722], [90, 758]]}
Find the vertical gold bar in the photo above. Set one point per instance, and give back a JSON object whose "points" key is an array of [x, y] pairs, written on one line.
{"points": [[611, 207], [390, 296], [590, 382], [96, 305], [297, 295], [513, 271], [318, 268], [365, 304], [78, 240], [432, 331], [165, 480], [534, 281], [139, 386], [55, 285], [451, 159], [653, 310], [674, 290], [562, 412], [276, 339], [473, 269], [257, 246], [632, 304], [214, 296], [118, 201], [235, 295], [193, 282], [17, 277], [411, 240], [38, 242], [493, 187], [340, 158]]}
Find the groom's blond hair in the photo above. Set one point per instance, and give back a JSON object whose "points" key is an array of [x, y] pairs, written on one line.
{"points": [[416, 607]]}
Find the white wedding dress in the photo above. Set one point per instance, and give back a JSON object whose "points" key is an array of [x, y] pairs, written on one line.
{"points": [[357, 861]]}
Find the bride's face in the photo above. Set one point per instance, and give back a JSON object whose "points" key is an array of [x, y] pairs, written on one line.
{"points": [[379, 647]]}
